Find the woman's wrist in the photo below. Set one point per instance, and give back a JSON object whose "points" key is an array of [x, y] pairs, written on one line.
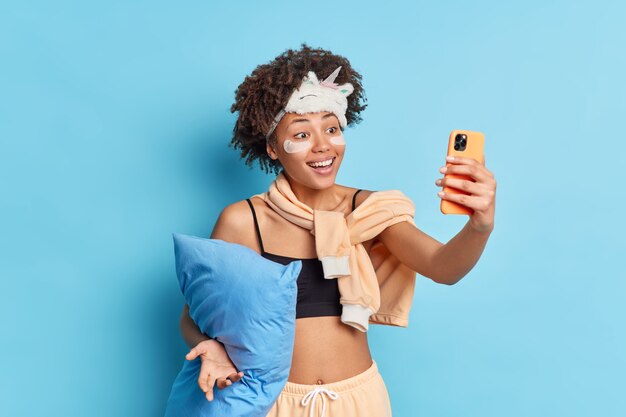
{"points": [[201, 338], [481, 229], [192, 334]]}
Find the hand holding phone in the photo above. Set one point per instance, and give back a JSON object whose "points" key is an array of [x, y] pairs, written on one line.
{"points": [[467, 144]]}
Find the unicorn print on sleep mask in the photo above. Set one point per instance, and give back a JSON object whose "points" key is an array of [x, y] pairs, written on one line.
{"points": [[315, 96]]}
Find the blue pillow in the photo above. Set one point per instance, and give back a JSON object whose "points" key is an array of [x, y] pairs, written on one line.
{"points": [[246, 302]]}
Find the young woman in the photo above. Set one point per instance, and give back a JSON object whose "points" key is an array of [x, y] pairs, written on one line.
{"points": [[292, 112]]}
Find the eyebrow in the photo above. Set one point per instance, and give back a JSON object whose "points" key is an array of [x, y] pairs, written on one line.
{"points": [[307, 120]]}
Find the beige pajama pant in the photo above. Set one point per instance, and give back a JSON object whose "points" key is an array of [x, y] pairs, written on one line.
{"points": [[364, 394]]}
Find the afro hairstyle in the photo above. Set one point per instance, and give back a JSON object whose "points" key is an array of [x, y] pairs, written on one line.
{"points": [[267, 89]]}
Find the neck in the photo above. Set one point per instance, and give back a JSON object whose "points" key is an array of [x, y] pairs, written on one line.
{"points": [[327, 199]]}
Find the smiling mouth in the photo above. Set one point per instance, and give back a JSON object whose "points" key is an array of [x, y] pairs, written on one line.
{"points": [[323, 164]]}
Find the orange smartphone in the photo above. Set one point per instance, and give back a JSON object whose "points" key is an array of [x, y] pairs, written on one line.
{"points": [[467, 144]]}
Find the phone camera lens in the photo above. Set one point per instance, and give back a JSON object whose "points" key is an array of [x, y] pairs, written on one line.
{"points": [[460, 142]]}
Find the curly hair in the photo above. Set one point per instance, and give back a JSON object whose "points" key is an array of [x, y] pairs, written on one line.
{"points": [[267, 89]]}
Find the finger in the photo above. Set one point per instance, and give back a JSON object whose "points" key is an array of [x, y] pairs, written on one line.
{"points": [[203, 378], [224, 382], [209, 391], [474, 188], [462, 160], [211, 380], [475, 203], [193, 354], [475, 171], [235, 376]]}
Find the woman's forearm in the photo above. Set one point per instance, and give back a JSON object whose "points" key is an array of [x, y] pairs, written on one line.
{"points": [[457, 257], [191, 333]]}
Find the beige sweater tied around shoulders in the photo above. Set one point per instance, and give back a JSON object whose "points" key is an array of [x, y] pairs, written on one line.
{"points": [[374, 289]]}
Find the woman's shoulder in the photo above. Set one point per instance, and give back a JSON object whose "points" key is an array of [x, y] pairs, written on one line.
{"points": [[361, 196], [235, 224], [237, 211], [382, 197]]}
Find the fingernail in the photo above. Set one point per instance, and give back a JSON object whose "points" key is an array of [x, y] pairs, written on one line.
{"points": [[450, 158], [443, 169], [440, 193], [438, 182]]}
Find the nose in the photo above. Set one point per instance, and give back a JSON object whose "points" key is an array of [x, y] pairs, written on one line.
{"points": [[321, 141]]}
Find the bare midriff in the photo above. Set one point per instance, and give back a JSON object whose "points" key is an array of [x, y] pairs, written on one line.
{"points": [[327, 350]]}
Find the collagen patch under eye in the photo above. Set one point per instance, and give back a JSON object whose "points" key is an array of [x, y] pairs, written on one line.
{"points": [[293, 147], [338, 140]]}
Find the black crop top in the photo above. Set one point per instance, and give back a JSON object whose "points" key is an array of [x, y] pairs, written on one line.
{"points": [[317, 296]]}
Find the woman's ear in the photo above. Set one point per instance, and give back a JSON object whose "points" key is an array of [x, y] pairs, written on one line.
{"points": [[270, 151]]}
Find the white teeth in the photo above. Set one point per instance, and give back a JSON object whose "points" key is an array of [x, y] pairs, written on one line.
{"points": [[321, 164]]}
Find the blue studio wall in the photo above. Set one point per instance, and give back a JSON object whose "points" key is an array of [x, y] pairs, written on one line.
{"points": [[114, 125]]}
